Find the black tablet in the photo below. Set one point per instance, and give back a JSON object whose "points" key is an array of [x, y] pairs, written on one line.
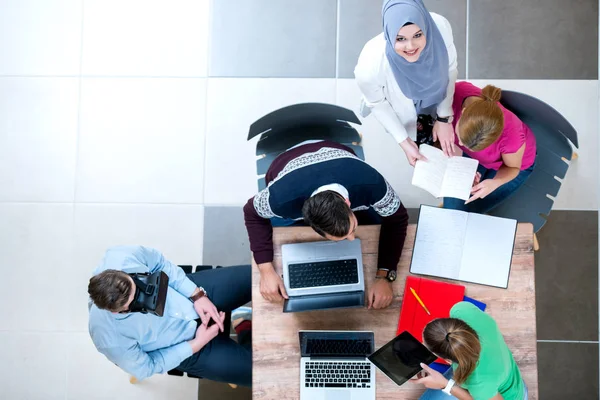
{"points": [[400, 358]]}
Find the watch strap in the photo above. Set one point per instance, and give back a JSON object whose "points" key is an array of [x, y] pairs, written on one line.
{"points": [[448, 387], [442, 119], [201, 293]]}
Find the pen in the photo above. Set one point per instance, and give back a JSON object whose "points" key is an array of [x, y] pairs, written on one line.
{"points": [[419, 300]]}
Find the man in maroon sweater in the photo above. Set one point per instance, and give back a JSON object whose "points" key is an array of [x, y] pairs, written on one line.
{"points": [[323, 184]]}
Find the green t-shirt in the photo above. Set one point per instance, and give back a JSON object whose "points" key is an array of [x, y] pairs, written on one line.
{"points": [[496, 370]]}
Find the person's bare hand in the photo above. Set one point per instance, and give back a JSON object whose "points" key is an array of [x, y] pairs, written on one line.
{"points": [[380, 294], [445, 133], [205, 333], [271, 285], [412, 151], [207, 310], [477, 178], [431, 378], [482, 189]]}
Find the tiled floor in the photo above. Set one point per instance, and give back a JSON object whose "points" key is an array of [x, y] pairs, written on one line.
{"points": [[125, 122]]}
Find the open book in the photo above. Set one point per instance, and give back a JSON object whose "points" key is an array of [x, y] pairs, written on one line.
{"points": [[444, 176], [463, 246]]}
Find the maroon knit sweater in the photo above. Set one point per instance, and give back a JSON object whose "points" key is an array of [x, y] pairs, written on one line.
{"points": [[336, 163]]}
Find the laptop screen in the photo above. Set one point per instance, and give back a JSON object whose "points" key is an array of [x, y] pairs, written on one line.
{"points": [[334, 344], [400, 358]]}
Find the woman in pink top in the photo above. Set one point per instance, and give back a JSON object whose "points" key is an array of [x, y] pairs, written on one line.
{"points": [[501, 142]]}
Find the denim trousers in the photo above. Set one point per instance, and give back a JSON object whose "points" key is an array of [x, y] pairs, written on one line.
{"points": [[223, 359], [434, 394], [489, 202]]}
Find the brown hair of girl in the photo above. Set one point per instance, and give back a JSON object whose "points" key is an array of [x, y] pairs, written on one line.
{"points": [[453, 339], [482, 121]]}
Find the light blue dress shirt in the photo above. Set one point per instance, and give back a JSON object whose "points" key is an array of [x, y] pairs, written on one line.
{"points": [[145, 344]]}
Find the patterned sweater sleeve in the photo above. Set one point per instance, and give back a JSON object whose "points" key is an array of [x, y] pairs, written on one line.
{"points": [[260, 231], [393, 227]]}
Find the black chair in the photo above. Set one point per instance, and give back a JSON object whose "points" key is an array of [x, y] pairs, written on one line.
{"points": [[289, 126], [554, 136]]}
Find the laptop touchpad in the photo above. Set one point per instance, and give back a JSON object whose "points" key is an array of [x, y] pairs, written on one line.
{"points": [[338, 395]]}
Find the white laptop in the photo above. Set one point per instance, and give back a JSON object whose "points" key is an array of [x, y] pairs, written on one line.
{"points": [[334, 365]]}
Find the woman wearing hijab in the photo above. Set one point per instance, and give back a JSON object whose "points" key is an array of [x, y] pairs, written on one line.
{"points": [[407, 75]]}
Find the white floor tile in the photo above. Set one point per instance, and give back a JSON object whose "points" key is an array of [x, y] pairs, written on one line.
{"points": [[141, 140], [38, 121], [92, 376], [577, 101], [175, 230], [37, 248], [34, 366], [145, 38], [381, 150], [39, 37], [233, 105]]}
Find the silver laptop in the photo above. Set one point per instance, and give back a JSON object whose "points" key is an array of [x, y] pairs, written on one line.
{"points": [[323, 275], [334, 365]]}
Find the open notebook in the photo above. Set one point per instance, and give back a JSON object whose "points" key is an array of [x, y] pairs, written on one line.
{"points": [[463, 246], [442, 176]]}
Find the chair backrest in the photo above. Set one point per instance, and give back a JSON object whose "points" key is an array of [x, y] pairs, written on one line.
{"points": [[552, 133], [288, 126]]}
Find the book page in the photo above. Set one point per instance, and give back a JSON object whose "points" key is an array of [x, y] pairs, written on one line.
{"points": [[488, 249], [458, 180], [428, 175], [439, 242]]}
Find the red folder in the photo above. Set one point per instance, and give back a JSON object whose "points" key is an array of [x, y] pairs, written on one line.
{"points": [[438, 297]]}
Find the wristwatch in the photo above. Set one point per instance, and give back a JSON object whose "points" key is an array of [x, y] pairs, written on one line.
{"points": [[383, 273], [448, 387], [201, 293], [444, 119]]}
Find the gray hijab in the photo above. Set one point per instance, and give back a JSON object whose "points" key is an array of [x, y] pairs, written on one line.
{"points": [[426, 80]]}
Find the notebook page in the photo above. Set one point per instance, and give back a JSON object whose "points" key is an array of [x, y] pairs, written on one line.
{"points": [[439, 242], [488, 250], [428, 175], [458, 180]]}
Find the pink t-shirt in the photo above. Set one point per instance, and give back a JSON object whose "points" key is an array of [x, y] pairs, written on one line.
{"points": [[514, 134]]}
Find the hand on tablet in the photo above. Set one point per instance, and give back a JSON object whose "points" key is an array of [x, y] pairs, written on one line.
{"points": [[430, 378]]}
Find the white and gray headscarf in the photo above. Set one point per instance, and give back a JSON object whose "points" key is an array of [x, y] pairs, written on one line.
{"points": [[426, 80]]}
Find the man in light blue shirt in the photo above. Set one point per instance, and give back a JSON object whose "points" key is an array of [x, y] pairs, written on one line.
{"points": [[146, 344]]}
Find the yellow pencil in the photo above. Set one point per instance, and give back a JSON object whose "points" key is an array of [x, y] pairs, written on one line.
{"points": [[419, 300]]}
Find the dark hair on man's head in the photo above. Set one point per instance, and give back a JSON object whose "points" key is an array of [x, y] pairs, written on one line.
{"points": [[110, 290], [327, 213]]}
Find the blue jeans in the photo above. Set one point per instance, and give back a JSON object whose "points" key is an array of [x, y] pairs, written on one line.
{"points": [[223, 359], [433, 394], [482, 206]]}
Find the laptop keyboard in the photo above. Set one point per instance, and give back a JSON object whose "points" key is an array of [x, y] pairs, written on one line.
{"points": [[323, 273], [333, 347], [346, 374]]}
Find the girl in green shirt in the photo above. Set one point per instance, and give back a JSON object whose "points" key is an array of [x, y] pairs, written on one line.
{"points": [[483, 367]]}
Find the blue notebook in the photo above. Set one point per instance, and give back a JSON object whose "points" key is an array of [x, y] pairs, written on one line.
{"points": [[441, 368]]}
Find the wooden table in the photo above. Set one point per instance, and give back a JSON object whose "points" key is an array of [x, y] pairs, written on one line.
{"points": [[276, 351]]}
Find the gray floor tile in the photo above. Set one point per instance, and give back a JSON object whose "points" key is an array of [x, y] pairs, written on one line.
{"points": [[566, 277], [360, 20], [568, 371], [533, 39], [225, 238], [273, 38]]}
